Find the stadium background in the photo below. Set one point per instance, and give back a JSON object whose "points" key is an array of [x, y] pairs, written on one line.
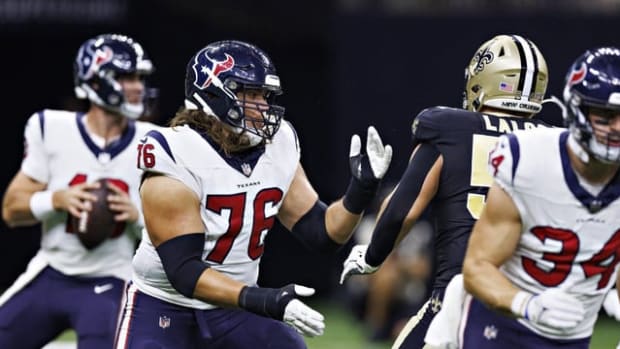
{"points": [[344, 64]]}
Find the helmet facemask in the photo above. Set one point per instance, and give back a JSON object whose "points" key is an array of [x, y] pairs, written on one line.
{"points": [[604, 146], [592, 99], [260, 121]]}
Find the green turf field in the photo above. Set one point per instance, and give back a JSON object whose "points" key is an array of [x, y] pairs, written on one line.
{"points": [[344, 332]]}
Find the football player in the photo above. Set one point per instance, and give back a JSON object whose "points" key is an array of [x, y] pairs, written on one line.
{"points": [[214, 184], [546, 248], [67, 284], [505, 83]]}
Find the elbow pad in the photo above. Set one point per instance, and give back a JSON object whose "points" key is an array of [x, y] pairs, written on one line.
{"points": [[311, 230], [181, 258]]}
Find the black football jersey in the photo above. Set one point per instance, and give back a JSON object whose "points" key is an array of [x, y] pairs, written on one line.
{"points": [[464, 140]]}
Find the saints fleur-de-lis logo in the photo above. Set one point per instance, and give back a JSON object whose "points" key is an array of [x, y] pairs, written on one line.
{"points": [[482, 58]]}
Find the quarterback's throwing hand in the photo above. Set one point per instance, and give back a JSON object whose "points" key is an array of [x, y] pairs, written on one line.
{"points": [[356, 264], [554, 308]]}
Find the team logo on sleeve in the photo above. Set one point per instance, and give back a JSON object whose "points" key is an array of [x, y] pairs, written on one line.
{"points": [[496, 157], [207, 69]]}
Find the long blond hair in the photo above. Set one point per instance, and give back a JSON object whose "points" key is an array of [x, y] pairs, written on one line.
{"points": [[221, 133]]}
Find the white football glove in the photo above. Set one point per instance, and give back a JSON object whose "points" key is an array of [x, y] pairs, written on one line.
{"points": [[356, 264], [282, 304], [554, 308], [379, 156], [611, 304], [301, 317]]}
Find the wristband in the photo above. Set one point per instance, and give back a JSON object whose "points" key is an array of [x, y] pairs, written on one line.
{"points": [[519, 303], [359, 196], [41, 204], [269, 302]]}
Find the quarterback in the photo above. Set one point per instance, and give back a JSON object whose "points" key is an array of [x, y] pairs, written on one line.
{"points": [[68, 284]]}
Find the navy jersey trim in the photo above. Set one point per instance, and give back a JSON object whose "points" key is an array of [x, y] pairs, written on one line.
{"points": [[114, 148], [238, 160], [295, 135], [41, 115], [609, 193], [515, 150], [156, 135]]}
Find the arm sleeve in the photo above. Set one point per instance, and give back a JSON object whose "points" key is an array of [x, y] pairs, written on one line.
{"points": [[391, 221]]}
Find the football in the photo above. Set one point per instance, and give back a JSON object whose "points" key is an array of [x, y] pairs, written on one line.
{"points": [[94, 227]]}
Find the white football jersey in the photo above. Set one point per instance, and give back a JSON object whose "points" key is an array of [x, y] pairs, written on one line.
{"points": [[240, 198], [570, 238], [61, 152]]}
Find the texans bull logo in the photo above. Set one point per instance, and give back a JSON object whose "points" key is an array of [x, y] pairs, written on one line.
{"points": [[577, 75], [207, 69]]}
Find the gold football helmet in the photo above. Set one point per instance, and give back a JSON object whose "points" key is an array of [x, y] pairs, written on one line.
{"points": [[507, 72]]}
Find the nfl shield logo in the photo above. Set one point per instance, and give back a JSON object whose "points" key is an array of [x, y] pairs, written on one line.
{"points": [[247, 169], [164, 322]]}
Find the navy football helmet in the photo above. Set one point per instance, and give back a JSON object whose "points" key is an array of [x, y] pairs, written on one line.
{"points": [[97, 66], [593, 81], [222, 69]]}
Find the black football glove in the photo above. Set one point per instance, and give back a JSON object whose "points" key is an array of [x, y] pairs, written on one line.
{"points": [[367, 170]]}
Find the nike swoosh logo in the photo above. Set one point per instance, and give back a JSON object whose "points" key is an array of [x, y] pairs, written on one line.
{"points": [[102, 288]]}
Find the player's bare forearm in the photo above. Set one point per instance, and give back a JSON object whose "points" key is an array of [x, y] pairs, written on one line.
{"points": [[339, 222], [493, 240], [485, 282], [16, 209], [216, 288]]}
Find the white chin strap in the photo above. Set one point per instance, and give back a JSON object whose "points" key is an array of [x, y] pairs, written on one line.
{"points": [[577, 149], [600, 151], [604, 152], [132, 110], [253, 138], [129, 110]]}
